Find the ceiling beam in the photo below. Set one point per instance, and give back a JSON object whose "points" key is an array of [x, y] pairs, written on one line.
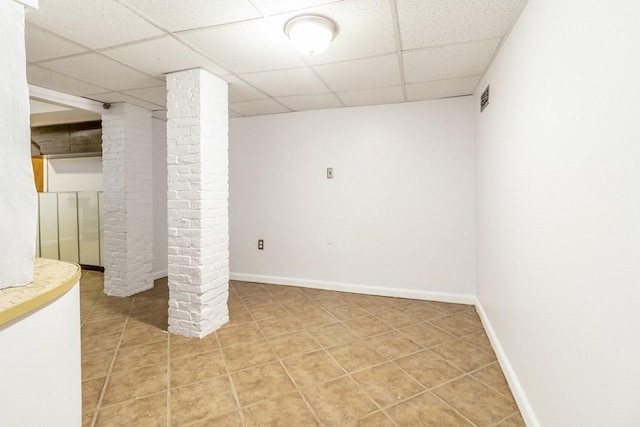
{"points": [[64, 99]]}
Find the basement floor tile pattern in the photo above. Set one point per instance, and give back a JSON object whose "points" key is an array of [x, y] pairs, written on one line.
{"points": [[289, 357]]}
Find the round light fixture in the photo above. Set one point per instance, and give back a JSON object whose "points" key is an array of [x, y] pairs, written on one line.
{"points": [[311, 34]]}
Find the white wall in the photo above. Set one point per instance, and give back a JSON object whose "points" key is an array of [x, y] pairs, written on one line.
{"points": [[74, 174], [558, 172], [159, 172], [18, 204], [400, 209]]}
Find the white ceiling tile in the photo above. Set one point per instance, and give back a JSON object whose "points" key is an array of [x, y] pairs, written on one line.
{"points": [[52, 80], [161, 56], [114, 97], [246, 47], [367, 73], [257, 108], [311, 102], [41, 45], [383, 95], [102, 71], [155, 95], [296, 81], [438, 22], [442, 88], [365, 28], [95, 24], [179, 15], [231, 39], [438, 63], [240, 91], [274, 7]]}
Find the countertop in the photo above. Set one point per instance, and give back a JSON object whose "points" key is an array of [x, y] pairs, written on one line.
{"points": [[51, 279]]}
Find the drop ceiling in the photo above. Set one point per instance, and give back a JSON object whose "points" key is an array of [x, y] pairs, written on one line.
{"points": [[386, 51]]}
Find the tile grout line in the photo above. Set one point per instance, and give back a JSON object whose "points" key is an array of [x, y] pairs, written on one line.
{"points": [[98, 407], [226, 367], [168, 378], [390, 360], [504, 419], [274, 353], [488, 385], [325, 350], [93, 306], [298, 390], [353, 380]]}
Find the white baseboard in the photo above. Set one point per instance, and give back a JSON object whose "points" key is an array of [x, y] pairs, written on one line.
{"points": [[516, 388], [356, 289], [159, 274]]}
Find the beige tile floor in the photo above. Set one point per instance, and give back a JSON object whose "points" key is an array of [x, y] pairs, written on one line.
{"points": [[290, 357]]}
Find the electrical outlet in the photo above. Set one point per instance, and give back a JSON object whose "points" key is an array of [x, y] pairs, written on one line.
{"points": [[260, 245], [329, 173]]}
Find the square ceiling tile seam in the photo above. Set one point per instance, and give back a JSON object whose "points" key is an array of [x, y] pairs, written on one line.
{"points": [[35, 36], [278, 27], [445, 88], [43, 63], [376, 96], [265, 15], [367, 73], [100, 51], [396, 30], [413, 46], [93, 24], [176, 36], [274, 8], [447, 62], [365, 29], [280, 31], [57, 64], [240, 77], [50, 79], [166, 31], [427, 23], [176, 16], [115, 97]]}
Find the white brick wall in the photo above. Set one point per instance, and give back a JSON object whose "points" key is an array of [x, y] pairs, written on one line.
{"points": [[128, 208], [198, 191]]}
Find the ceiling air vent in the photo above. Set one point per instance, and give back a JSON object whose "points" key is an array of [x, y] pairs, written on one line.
{"points": [[484, 99]]}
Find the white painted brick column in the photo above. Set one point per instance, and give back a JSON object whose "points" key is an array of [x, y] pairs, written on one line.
{"points": [[128, 197], [198, 191], [18, 203]]}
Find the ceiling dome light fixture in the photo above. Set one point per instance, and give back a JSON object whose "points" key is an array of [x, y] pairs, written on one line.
{"points": [[311, 34]]}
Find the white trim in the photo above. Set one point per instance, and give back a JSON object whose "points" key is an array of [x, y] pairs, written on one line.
{"points": [[64, 99], [357, 289], [519, 394], [155, 275]]}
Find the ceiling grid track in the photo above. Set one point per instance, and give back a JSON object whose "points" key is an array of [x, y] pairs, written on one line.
{"points": [[396, 30]]}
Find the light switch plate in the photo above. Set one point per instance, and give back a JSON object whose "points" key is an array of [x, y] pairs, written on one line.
{"points": [[329, 173]]}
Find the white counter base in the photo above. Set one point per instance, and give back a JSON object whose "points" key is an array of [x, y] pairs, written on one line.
{"points": [[40, 378]]}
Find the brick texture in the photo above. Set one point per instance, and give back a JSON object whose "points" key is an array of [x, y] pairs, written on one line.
{"points": [[128, 207], [198, 191]]}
